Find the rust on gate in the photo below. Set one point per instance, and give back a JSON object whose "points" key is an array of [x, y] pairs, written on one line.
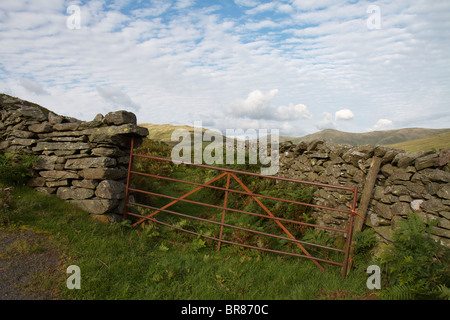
{"points": [[232, 174]]}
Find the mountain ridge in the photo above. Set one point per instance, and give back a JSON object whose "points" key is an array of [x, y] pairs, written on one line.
{"points": [[381, 137]]}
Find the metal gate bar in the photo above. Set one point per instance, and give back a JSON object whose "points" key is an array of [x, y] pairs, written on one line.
{"points": [[231, 173]]}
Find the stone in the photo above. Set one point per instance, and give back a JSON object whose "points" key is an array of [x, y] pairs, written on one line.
{"points": [[444, 158], [433, 205], [444, 192], [300, 148], [22, 134], [96, 206], [88, 184], [387, 169], [41, 146], [425, 162], [66, 126], [54, 119], [118, 135], [120, 117], [23, 142], [45, 163], [400, 174], [401, 209], [103, 173], [313, 144], [66, 193], [384, 231], [416, 189], [31, 113], [353, 156], [84, 163], [59, 183], [110, 189], [383, 210], [404, 159], [105, 152], [428, 175], [41, 127], [58, 175], [416, 204]]}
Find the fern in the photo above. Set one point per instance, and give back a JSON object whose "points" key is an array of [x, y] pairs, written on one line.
{"points": [[415, 262], [398, 292]]}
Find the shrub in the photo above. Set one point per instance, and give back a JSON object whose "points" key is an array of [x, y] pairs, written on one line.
{"points": [[15, 168], [416, 265]]}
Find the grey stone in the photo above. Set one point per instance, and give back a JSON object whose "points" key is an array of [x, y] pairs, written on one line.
{"points": [[105, 152], [88, 184], [54, 119], [400, 174], [67, 193], [383, 210], [41, 146], [103, 173], [401, 209], [444, 192], [436, 175], [84, 163], [110, 189], [120, 117], [404, 160], [425, 162], [96, 206], [416, 204], [41, 127], [387, 169], [66, 126], [31, 113], [59, 183], [45, 163], [58, 175], [433, 205]]}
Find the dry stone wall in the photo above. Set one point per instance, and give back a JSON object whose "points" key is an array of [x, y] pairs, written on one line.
{"points": [[406, 183], [85, 163]]}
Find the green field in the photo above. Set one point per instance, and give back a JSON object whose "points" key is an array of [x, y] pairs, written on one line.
{"points": [[435, 142]]}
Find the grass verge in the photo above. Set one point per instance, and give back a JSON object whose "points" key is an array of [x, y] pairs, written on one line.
{"points": [[118, 262]]}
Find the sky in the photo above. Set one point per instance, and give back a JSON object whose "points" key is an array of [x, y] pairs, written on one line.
{"points": [[298, 66]]}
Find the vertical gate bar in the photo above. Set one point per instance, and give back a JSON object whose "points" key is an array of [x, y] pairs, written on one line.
{"points": [[127, 190], [223, 212], [348, 243]]}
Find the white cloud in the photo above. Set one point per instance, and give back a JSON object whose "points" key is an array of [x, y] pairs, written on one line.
{"points": [[33, 87], [118, 98], [246, 3], [326, 122], [344, 114], [198, 61], [258, 106], [382, 124]]}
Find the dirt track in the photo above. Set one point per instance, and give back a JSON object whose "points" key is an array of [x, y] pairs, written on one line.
{"points": [[29, 266]]}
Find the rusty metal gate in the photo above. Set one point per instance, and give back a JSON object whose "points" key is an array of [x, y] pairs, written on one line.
{"points": [[231, 174]]}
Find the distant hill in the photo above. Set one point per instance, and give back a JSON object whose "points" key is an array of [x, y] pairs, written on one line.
{"points": [[408, 139], [387, 137], [436, 142]]}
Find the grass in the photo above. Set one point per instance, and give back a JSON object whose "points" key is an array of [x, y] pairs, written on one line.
{"points": [[435, 142], [118, 262]]}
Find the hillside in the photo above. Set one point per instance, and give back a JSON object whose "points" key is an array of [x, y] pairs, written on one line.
{"points": [[436, 142], [408, 139], [387, 137]]}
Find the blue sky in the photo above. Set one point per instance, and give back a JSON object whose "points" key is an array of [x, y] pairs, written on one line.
{"points": [[295, 65]]}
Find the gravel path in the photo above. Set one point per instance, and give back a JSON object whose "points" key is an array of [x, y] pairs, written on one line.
{"points": [[29, 266]]}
